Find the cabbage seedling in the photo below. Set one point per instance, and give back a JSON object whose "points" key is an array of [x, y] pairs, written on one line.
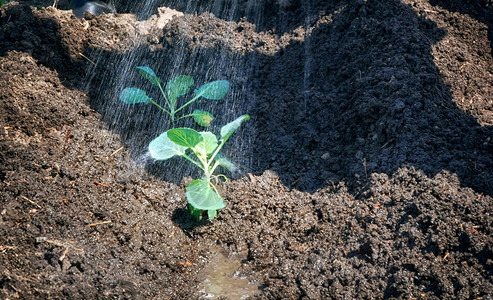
{"points": [[174, 89], [202, 195]]}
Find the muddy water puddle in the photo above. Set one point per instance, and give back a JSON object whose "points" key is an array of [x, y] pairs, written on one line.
{"points": [[223, 279]]}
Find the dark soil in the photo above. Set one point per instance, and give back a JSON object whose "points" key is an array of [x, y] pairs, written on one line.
{"points": [[366, 167]]}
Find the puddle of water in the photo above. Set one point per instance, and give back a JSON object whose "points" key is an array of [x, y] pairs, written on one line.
{"points": [[222, 279]]}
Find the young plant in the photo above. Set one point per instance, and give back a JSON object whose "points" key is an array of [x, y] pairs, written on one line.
{"points": [[174, 89], [202, 195]]}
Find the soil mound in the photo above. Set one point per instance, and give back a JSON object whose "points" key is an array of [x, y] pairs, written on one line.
{"points": [[366, 167]]}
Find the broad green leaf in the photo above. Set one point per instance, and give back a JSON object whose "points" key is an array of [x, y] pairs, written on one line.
{"points": [[133, 96], [214, 90], [194, 212], [202, 118], [211, 214], [149, 74], [207, 145], [185, 137], [210, 141], [228, 129], [162, 148], [225, 163], [179, 86], [201, 196]]}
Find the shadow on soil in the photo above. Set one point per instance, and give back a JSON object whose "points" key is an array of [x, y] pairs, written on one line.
{"points": [[373, 101], [360, 95], [40, 37]]}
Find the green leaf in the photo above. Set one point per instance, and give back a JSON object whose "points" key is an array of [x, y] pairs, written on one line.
{"points": [[207, 145], [133, 96], [211, 214], [210, 141], [194, 212], [185, 137], [149, 74], [214, 90], [225, 163], [228, 129], [179, 86], [162, 148], [201, 196], [202, 118]]}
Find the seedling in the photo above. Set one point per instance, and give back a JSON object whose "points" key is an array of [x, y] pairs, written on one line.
{"points": [[174, 89], [202, 194]]}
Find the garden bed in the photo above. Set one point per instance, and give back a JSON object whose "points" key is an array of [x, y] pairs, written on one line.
{"points": [[366, 169]]}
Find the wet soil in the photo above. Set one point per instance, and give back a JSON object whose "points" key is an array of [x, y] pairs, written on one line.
{"points": [[366, 170]]}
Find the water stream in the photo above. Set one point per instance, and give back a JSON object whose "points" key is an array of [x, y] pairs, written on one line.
{"points": [[203, 64], [221, 278], [308, 57]]}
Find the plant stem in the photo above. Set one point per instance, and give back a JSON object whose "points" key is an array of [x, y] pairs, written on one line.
{"points": [[193, 161], [164, 95], [205, 163], [214, 187], [188, 103], [216, 164], [162, 108], [217, 150], [168, 102], [186, 116]]}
